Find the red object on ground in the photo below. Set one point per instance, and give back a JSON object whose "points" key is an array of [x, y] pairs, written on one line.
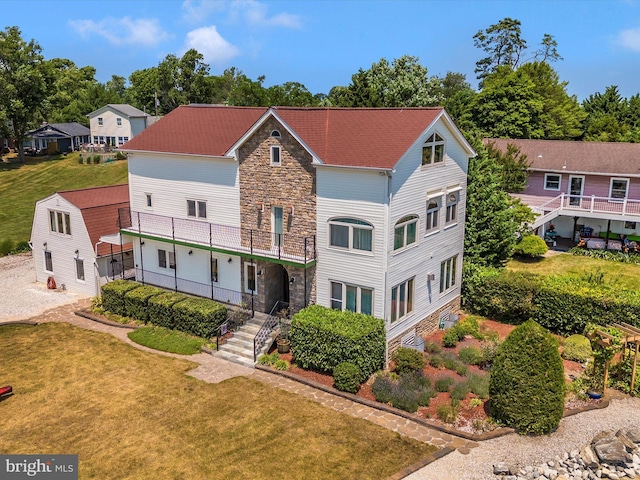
{"points": [[51, 283], [5, 390]]}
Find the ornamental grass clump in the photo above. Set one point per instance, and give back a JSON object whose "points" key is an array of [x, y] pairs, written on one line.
{"points": [[527, 381]]}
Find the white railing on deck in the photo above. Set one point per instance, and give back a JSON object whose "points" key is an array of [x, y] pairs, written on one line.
{"points": [[591, 204]]}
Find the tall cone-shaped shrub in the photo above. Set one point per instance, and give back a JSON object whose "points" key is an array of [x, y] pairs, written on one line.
{"points": [[527, 381]]}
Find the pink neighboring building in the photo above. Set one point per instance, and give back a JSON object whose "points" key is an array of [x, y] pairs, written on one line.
{"points": [[585, 189]]}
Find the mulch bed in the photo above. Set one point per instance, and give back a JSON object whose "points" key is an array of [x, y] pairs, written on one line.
{"points": [[468, 416]]}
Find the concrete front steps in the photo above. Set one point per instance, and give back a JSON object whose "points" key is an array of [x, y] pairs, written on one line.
{"points": [[239, 348]]}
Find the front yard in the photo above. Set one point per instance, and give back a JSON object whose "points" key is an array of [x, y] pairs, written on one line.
{"points": [[133, 414]]}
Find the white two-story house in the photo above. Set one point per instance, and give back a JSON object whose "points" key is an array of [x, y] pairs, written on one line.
{"points": [[355, 209], [116, 124]]}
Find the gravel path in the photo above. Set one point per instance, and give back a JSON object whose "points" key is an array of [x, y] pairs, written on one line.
{"points": [[20, 296], [573, 433]]}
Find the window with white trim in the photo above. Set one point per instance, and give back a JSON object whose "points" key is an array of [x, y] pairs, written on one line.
{"points": [[214, 270], [60, 222], [275, 155], [433, 150], [351, 234], [197, 208], [404, 233], [126, 139], [451, 216], [95, 139], [552, 181], [402, 300], [79, 269], [448, 271], [100, 121], [619, 188], [352, 298], [433, 212], [119, 121], [48, 261], [148, 199], [166, 257], [120, 141]]}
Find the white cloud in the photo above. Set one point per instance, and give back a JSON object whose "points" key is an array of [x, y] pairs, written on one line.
{"points": [[198, 10], [122, 31], [211, 45], [255, 13], [630, 38]]}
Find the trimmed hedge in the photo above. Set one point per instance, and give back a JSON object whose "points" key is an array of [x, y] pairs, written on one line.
{"points": [[199, 316], [407, 360], [563, 304], [136, 301], [531, 246], [347, 377], [527, 381], [577, 348], [322, 338], [113, 295], [161, 308]]}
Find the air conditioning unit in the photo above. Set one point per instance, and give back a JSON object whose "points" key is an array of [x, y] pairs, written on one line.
{"points": [[431, 277]]}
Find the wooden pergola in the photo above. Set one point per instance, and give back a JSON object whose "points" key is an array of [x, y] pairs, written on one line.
{"points": [[631, 336]]}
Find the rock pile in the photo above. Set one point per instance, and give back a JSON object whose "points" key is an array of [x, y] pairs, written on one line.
{"points": [[608, 456]]}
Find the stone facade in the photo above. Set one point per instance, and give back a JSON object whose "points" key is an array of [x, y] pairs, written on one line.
{"points": [[425, 327]]}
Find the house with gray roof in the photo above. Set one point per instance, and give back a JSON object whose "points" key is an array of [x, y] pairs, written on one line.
{"points": [[68, 137], [588, 191], [116, 124]]}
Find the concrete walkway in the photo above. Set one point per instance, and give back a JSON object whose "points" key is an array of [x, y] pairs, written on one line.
{"points": [[214, 370]]}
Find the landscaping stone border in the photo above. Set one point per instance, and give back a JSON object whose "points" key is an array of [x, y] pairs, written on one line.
{"points": [[498, 432], [432, 457], [90, 316], [20, 322]]}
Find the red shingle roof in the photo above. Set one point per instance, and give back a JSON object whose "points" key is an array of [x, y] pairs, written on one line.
{"points": [[197, 130], [99, 207], [608, 158], [361, 137]]}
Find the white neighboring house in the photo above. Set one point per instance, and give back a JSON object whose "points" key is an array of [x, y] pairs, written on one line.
{"points": [[75, 238], [115, 124], [355, 209]]}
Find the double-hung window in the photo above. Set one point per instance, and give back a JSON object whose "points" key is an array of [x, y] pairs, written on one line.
{"points": [[433, 212], [197, 208], [433, 150], [405, 232], [48, 261], [619, 188], [100, 121], [448, 271], [119, 121], [552, 181], [79, 269], [351, 234], [60, 222], [451, 216], [402, 300], [275, 155], [352, 298]]}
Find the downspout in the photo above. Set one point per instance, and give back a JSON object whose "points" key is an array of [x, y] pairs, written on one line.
{"points": [[388, 198], [97, 269]]}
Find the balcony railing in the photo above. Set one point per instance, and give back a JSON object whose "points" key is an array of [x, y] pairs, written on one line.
{"points": [[591, 204], [171, 282], [257, 243]]}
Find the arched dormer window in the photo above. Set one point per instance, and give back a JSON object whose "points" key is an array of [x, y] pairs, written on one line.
{"points": [[433, 150], [404, 233], [351, 234], [275, 133]]}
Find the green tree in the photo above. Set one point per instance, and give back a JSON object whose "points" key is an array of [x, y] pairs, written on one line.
{"points": [[527, 381], [514, 167], [291, 94], [143, 88], [494, 220], [66, 87], [458, 98], [248, 93], [503, 43], [23, 83], [401, 83], [181, 81], [611, 117]]}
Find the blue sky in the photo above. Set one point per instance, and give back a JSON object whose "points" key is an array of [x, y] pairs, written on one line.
{"points": [[322, 43]]}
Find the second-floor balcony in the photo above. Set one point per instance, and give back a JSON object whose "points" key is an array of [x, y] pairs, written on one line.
{"points": [[256, 244], [581, 206]]}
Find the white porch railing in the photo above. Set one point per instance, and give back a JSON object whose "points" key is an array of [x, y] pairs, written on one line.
{"points": [[580, 204]]}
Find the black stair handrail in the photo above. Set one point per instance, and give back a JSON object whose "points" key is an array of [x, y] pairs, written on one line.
{"points": [[267, 328]]}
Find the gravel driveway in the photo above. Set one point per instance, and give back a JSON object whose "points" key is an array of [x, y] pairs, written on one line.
{"points": [[21, 296]]}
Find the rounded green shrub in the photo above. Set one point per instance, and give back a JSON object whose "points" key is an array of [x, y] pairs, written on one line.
{"points": [[527, 381], [577, 348], [531, 246], [450, 338], [407, 360], [347, 377]]}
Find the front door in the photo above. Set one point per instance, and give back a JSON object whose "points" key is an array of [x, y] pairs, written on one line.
{"points": [[576, 187], [277, 226]]}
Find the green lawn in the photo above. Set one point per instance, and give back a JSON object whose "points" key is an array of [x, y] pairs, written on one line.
{"points": [[627, 275], [22, 185], [167, 340], [136, 415]]}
